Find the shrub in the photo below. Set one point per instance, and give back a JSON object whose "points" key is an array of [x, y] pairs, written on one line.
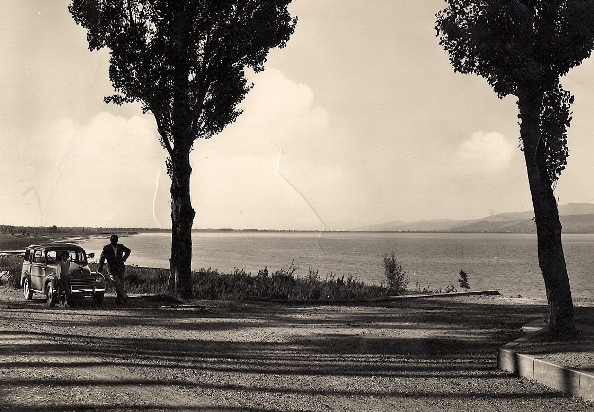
{"points": [[283, 284], [424, 290], [146, 280], [12, 266], [464, 280], [140, 279], [396, 276]]}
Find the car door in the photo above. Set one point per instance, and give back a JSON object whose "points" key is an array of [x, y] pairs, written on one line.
{"points": [[37, 270], [26, 270]]}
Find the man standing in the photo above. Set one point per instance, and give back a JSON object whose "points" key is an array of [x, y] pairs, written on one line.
{"points": [[115, 254], [63, 276]]}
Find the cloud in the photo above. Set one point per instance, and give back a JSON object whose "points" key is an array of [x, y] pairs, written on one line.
{"points": [[485, 152], [110, 170], [101, 173], [274, 166], [277, 111]]}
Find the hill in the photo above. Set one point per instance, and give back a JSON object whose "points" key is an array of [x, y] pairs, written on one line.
{"points": [[575, 218]]}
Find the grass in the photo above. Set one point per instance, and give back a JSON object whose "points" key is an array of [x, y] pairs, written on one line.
{"points": [[282, 284]]}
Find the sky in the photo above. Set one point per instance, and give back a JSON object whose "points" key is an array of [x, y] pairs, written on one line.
{"points": [[359, 120]]}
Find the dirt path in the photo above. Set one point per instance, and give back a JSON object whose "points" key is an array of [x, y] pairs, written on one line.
{"points": [[421, 355]]}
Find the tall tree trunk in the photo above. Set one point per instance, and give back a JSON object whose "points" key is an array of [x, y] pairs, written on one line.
{"points": [[182, 219], [551, 258], [182, 213]]}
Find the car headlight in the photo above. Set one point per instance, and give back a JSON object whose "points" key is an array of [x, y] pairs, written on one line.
{"points": [[99, 279]]}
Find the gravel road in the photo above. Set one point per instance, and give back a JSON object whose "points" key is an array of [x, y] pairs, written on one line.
{"points": [[415, 355]]}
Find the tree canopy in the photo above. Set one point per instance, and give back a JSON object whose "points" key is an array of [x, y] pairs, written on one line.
{"points": [[516, 42], [519, 45], [200, 49]]}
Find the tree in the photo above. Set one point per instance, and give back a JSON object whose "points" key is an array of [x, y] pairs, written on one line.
{"points": [[522, 48], [185, 62]]}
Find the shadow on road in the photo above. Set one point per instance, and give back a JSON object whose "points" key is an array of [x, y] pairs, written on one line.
{"points": [[233, 356]]}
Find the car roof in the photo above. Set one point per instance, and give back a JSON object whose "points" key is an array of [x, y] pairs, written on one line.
{"points": [[55, 246]]}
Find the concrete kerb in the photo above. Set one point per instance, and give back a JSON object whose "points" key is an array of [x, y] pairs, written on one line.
{"points": [[385, 299], [567, 380]]}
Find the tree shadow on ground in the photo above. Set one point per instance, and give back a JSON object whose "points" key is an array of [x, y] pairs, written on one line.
{"points": [[269, 351]]}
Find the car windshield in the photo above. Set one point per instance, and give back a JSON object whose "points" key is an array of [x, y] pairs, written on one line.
{"points": [[69, 255]]}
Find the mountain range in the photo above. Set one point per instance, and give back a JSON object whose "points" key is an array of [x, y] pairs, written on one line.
{"points": [[575, 218]]}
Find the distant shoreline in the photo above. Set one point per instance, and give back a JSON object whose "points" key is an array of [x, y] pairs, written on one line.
{"points": [[46, 233], [14, 238]]}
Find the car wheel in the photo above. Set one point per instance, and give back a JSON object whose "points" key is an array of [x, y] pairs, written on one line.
{"points": [[27, 292], [50, 294], [98, 298]]}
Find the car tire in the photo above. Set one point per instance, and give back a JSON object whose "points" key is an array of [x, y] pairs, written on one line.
{"points": [[98, 298], [50, 294], [27, 292]]}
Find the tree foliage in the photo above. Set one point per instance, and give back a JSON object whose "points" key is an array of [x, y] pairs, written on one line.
{"points": [[163, 50], [523, 44]]}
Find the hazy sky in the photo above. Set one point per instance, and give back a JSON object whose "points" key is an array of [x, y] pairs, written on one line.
{"points": [[359, 120]]}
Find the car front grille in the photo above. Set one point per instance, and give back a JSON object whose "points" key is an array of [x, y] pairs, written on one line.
{"points": [[80, 281]]}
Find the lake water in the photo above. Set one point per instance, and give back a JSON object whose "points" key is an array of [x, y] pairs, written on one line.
{"points": [[504, 262]]}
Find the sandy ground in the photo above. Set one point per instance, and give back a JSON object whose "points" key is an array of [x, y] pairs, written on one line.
{"points": [[414, 355]]}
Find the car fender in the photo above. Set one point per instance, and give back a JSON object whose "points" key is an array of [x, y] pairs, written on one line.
{"points": [[25, 275]]}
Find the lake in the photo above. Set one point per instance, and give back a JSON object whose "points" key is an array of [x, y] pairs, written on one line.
{"points": [[504, 262]]}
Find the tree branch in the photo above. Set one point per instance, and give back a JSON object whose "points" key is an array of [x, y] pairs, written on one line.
{"points": [[163, 134]]}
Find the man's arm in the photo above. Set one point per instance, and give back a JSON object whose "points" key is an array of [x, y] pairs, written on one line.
{"points": [[126, 253], [101, 262]]}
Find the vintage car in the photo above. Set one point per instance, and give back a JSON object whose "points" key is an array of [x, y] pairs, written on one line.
{"points": [[60, 272]]}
